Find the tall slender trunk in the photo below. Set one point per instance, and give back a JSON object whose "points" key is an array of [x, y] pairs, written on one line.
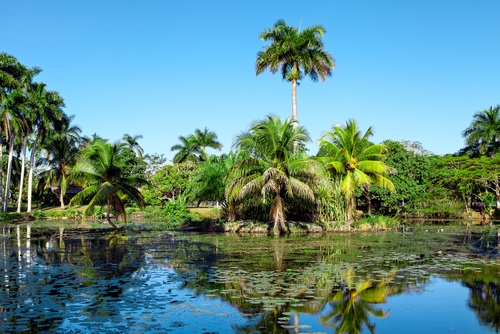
{"points": [[294, 104], [9, 173], [2, 171], [21, 182], [30, 173]]}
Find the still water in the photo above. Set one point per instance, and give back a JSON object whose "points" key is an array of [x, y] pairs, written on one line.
{"points": [[426, 280]]}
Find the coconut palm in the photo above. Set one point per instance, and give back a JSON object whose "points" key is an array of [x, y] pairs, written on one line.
{"points": [[484, 131], [352, 156], [272, 168], [296, 54], [206, 139], [61, 155], [106, 185], [189, 150]]}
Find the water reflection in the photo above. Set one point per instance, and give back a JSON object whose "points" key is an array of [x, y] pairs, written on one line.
{"points": [[61, 280]]}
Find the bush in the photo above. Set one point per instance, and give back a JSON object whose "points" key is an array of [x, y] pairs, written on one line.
{"points": [[174, 211]]}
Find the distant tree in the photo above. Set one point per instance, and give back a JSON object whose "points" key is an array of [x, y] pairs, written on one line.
{"points": [[132, 142], [296, 54], [154, 162], [168, 184], [484, 131], [189, 150], [351, 155], [105, 183], [206, 139]]}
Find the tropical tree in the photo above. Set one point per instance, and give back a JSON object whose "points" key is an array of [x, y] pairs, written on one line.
{"points": [[14, 108], [296, 54], [105, 183], [206, 139], [132, 142], [45, 114], [61, 155], [272, 168], [349, 153], [189, 150], [484, 131]]}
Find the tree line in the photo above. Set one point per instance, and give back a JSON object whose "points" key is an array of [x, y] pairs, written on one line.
{"points": [[268, 175]]}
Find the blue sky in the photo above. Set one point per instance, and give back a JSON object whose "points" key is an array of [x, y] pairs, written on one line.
{"points": [[414, 70]]}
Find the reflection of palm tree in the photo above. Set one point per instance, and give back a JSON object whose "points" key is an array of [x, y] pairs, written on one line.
{"points": [[352, 306], [485, 301]]}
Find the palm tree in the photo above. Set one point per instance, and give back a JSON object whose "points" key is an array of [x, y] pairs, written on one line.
{"points": [[206, 139], [62, 153], [296, 54], [189, 150], [45, 114], [15, 79], [352, 156], [484, 131], [272, 168], [106, 185], [132, 142]]}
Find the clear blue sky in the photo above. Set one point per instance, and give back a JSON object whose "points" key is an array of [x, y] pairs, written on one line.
{"points": [[414, 70]]}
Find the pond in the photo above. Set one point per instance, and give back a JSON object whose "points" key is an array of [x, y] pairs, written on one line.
{"points": [[427, 279]]}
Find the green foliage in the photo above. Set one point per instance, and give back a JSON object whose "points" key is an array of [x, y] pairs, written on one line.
{"points": [[412, 169], [174, 211], [169, 183], [208, 182], [378, 222]]}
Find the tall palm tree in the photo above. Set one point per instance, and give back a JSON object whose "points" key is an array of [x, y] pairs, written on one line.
{"points": [[189, 150], [484, 131], [106, 185], [351, 155], [15, 79], [272, 168], [132, 142], [45, 113], [206, 139], [296, 54]]}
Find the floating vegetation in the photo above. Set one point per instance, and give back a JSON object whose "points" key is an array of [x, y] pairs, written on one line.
{"points": [[174, 282]]}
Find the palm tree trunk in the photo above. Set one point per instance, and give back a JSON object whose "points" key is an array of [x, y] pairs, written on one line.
{"points": [[21, 182], [2, 171], [30, 173], [294, 104], [279, 216], [9, 173], [108, 217]]}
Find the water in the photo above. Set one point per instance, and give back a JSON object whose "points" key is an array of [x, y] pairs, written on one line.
{"points": [[428, 280]]}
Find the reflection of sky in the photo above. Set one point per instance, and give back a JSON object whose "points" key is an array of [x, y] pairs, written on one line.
{"points": [[156, 302], [440, 308]]}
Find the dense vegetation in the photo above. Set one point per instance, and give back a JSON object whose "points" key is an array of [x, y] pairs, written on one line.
{"points": [[268, 176]]}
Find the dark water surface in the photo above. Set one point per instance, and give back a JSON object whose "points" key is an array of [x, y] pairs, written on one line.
{"points": [[427, 280]]}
